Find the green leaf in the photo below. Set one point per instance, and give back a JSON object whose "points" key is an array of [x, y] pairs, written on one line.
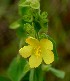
{"points": [[21, 1], [30, 3], [24, 3], [28, 18], [46, 67], [29, 29], [35, 4], [4, 78], [58, 73], [44, 15], [24, 10], [43, 22], [21, 32], [15, 25], [26, 69], [18, 69]]}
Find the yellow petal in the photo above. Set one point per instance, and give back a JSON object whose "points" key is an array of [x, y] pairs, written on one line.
{"points": [[34, 61], [48, 56], [26, 51], [46, 44], [32, 41]]}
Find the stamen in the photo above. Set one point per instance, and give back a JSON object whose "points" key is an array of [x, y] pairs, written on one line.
{"points": [[37, 52]]}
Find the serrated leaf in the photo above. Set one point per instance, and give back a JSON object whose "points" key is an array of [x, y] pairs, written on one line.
{"points": [[58, 73], [18, 69], [15, 25], [2, 78]]}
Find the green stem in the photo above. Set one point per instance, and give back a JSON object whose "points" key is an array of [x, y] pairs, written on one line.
{"points": [[31, 77], [37, 35], [41, 76], [36, 74]]}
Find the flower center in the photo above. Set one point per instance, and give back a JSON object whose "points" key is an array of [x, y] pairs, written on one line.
{"points": [[38, 51]]}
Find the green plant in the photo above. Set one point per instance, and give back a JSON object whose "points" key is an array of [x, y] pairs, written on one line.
{"points": [[32, 25]]}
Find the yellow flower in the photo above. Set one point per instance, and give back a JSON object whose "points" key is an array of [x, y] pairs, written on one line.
{"points": [[37, 51]]}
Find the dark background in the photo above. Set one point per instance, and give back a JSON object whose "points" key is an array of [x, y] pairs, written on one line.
{"points": [[59, 30]]}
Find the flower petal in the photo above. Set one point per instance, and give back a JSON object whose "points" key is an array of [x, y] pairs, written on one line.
{"points": [[32, 41], [26, 51], [46, 44], [34, 61], [48, 56]]}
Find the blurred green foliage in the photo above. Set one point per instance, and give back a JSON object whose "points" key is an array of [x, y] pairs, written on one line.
{"points": [[59, 28], [20, 65]]}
